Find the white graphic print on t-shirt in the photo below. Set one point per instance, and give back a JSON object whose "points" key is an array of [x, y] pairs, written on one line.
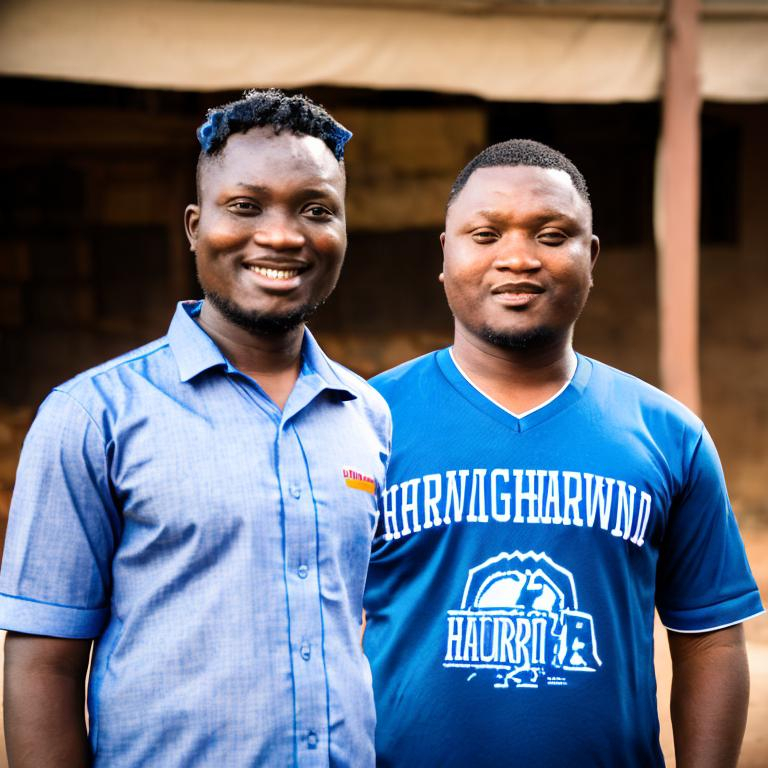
{"points": [[520, 620], [517, 496]]}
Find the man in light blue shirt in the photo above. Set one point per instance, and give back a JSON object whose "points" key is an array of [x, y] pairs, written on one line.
{"points": [[202, 508]]}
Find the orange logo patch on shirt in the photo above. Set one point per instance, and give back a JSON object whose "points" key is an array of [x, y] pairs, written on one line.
{"points": [[358, 480]]}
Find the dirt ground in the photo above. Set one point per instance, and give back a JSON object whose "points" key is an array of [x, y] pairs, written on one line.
{"points": [[754, 752]]}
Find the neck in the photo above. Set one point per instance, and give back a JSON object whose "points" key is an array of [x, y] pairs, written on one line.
{"points": [[273, 360], [518, 379]]}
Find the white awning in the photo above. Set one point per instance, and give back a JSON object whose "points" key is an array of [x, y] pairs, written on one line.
{"points": [[206, 45]]}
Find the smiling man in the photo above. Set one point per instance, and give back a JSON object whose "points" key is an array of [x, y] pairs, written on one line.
{"points": [[201, 509], [539, 506]]}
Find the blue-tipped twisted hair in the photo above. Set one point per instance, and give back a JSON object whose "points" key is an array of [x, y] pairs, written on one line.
{"points": [[273, 108]]}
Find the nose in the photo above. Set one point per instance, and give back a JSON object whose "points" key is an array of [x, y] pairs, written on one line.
{"points": [[278, 233], [517, 253]]}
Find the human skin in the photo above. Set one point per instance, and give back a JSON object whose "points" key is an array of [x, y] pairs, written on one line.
{"points": [[518, 258], [44, 701], [710, 696], [269, 234], [518, 254], [268, 202]]}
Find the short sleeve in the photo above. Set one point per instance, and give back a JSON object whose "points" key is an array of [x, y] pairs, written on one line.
{"points": [[62, 528], [703, 579]]}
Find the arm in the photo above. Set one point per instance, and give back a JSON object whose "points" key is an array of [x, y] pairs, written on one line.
{"points": [[710, 693], [44, 701]]}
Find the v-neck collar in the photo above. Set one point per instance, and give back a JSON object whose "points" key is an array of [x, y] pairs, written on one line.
{"points": [[545, 411]]}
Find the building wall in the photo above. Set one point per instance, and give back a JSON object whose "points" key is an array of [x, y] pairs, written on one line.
{"points": [[92, 253]]}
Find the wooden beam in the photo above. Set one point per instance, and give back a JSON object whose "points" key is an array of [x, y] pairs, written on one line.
{"points": [[676, 207]]}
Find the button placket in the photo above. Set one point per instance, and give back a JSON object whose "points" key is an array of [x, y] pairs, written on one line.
{"points": [[303, 595]]}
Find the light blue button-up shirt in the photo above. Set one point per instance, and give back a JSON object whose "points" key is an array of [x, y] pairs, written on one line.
{"points": [[216, 547]]}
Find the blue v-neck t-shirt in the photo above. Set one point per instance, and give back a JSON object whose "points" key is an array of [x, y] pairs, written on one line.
{"points": [[518, 562]]}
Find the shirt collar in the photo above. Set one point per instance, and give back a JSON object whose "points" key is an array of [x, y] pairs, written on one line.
{"points": [[196, 352], [315, 362], [192, 347]]}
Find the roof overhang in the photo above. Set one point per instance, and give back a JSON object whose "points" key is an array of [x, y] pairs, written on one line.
{"points": [[510, 51]]}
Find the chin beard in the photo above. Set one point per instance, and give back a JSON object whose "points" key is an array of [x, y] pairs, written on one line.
{"points": [[260, 323], [532, 339]]}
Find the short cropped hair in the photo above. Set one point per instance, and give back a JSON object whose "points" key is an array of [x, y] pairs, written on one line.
{"points": [[520, 152], [271, 107]]}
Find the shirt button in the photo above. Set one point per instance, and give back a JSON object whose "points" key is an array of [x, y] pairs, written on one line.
{"points": [[295, 491], [305, 651], [303, 571], [312, 740]]}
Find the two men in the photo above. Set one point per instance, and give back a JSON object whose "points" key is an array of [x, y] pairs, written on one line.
{"points": [[203, 507], [539, 506]]}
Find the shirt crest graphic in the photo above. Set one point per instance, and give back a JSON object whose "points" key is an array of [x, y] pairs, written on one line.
{"points": [[520, 621]]}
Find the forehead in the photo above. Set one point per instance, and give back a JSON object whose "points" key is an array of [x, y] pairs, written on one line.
{"points": [[520, 189], [264, 158]]}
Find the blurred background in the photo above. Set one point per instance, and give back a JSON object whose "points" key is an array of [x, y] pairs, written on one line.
{"points": [[663, 105]]}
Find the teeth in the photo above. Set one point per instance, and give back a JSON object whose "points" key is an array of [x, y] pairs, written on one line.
{"points": [[275, 274]]}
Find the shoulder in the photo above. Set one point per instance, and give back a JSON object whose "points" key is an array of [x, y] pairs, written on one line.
{"points": [[634, 397], [629, 411], [112, 367], [403, 380], [93, 387], [79, 415]]}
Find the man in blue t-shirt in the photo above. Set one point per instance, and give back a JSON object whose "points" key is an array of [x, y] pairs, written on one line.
{"points": [[539, 506]]}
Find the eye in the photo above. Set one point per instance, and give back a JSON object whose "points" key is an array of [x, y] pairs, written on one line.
{"points": [[244, 206], [318, 212], [484, 236], [552, 237]]}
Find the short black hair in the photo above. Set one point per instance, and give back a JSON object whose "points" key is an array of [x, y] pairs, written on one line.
{"points": [[271, 107], [520, 152]]}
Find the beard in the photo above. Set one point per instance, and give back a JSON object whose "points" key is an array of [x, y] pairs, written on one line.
{"points": [[260, 323], [535, 338]]}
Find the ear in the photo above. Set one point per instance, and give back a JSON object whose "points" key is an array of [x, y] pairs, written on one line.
{"points": [[594, 252], [441, 276], [191, 222], [594, 248]]}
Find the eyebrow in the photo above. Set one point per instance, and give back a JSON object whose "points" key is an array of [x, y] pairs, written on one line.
{"points": [[541, 218], [258, 189], [255, 188]]}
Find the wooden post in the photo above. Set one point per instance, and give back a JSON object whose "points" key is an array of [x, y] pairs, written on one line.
{"points": [[676, 207]]}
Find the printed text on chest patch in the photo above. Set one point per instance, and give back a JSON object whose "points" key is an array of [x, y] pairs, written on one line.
{"points": [[359, 480], [520, 620]]}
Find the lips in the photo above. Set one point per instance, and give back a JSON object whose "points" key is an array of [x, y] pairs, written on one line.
{"points": [[518, 287], [517, 294], [277, 276]]}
